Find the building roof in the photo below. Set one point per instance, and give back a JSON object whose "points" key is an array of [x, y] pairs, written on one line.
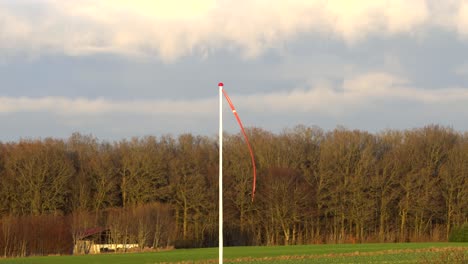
{"points": [[84, 233]]}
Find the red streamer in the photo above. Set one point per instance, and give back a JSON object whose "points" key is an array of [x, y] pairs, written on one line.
{"points": [[246, 140]]}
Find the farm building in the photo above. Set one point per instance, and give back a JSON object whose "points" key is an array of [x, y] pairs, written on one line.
{"points": [[97, 240]]}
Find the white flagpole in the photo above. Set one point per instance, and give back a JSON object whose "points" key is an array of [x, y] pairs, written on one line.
{"points": [[220, 245]]}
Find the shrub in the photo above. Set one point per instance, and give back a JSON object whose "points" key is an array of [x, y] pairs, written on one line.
{"points": [[459, 234], [185, 243]]}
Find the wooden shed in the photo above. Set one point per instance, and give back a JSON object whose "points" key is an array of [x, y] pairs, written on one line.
{"points": [[98, 240]]}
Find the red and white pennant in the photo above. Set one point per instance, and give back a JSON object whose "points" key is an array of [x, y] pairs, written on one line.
{"points": [[245, 137]]}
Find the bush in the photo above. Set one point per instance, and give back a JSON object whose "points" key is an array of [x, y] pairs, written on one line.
{"points": [[186, 243], [459, 234]]}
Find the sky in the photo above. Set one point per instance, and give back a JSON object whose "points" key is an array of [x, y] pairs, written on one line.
{"points": [[118, 69]]}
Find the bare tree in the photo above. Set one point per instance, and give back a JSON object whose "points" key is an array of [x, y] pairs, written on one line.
{"points": [[41, 171], [454, 186], [143, 170]]}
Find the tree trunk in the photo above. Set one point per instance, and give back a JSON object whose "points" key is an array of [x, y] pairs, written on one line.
{"points": [[185, 220]]}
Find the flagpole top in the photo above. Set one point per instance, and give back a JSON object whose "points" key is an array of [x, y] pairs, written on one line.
{"points": [[220, 84]]}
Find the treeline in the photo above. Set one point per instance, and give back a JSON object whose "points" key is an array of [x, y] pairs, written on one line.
{"points": [[313, 186]]}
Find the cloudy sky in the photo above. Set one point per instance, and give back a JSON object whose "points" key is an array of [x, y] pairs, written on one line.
{"points": [[122, 68]]}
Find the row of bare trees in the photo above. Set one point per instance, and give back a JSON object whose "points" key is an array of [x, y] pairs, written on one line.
{"points": [[147, 225], [314, 186]]}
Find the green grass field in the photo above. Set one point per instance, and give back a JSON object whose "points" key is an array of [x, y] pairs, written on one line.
{"points": [[343, 253]]}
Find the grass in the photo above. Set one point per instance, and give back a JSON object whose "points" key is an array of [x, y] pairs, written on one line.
{"points": [[342, 253]]}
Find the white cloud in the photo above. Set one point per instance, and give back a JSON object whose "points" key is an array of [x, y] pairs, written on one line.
{"points": [[82, 106], [354, 20], [171, 29], [462, 19], [384, 86], [358, 92]]}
